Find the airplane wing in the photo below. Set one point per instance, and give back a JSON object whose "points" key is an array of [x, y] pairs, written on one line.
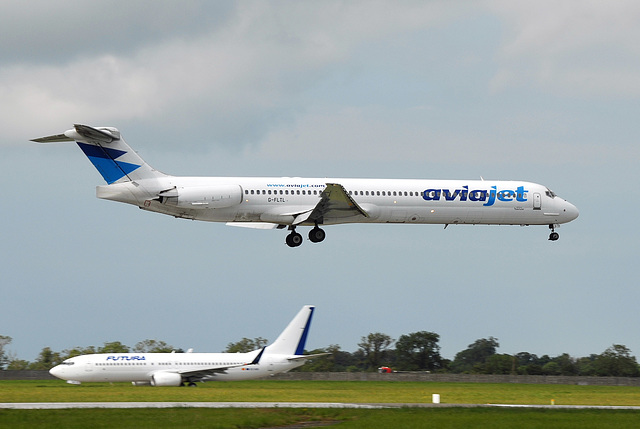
{"points": [[334, 202], [200, 374], [207, 373]]}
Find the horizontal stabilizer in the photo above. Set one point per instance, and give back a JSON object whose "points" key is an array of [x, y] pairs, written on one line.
{"points": [[83, 133], [53, 139], [307, 356], [103, 135]]}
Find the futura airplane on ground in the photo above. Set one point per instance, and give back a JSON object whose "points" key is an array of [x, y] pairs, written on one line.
{"points": [[289, 202], [176, 369]]}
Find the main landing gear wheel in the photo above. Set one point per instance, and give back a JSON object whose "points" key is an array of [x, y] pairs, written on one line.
{"points": [[554, 235], [192, 384], [316, 235], [294, 239]]}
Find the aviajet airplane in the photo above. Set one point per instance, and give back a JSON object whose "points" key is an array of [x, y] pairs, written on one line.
{"points": [[290, 202]]}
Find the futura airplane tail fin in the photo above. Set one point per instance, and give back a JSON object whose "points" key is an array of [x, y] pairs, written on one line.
{"points": [[292, 340], [108, 152]]}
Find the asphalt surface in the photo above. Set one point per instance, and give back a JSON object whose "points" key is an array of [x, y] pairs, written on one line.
{"points": [[65, 405]]}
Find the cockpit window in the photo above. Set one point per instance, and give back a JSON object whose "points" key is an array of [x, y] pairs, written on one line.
{"points": [[550, 193], [66, 362]]}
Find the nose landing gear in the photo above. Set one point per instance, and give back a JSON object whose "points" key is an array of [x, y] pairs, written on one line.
{"points": [[554, 235]]}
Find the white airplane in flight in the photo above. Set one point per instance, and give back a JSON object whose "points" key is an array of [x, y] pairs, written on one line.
{"points": [[289, 202], [176, 369]]}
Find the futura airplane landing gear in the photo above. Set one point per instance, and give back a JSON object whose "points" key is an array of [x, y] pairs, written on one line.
{"points": [[554, 235]]}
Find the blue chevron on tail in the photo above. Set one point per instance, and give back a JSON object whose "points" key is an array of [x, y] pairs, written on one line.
{"points": [[105, 161]]}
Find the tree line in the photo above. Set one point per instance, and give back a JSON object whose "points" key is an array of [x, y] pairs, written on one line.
{"points": [[417, 351]]}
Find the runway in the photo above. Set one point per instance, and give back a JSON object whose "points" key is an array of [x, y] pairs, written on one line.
{"points": [[68, 405]]}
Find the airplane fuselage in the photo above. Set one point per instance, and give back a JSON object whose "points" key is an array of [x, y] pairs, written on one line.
{"points": [[141, 368], [289, 202], [276, 200]]}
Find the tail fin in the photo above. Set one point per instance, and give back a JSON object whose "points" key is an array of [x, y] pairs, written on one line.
{"points": [[108, 152], [292, 340]]}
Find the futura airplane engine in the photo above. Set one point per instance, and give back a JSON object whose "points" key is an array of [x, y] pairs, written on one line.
{"points": [[166, 379]]}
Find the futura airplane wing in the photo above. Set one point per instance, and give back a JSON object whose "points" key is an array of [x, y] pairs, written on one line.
{"points": [[200, 374]]}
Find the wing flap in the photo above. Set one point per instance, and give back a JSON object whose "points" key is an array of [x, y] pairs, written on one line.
{"points": [[335, 201], [255, 225]]}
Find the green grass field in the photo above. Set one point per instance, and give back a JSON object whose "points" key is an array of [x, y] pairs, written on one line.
{"points": [[321, 391], [270, 418]]}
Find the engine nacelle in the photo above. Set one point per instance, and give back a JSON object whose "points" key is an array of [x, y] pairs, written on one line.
{"points": [[166, 379], [202, 197]]}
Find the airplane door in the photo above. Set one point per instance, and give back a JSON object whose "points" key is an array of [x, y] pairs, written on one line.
{"points": [[88, 367], [537, 201]]}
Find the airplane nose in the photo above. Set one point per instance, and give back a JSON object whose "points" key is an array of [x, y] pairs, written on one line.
{"points": [[571, 211], [56, 371]]}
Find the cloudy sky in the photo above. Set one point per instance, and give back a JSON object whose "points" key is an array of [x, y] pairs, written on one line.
{"points": [[542, 91]]}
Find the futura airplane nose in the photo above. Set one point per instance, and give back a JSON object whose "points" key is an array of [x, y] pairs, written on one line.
{"points": [[56, 371]]}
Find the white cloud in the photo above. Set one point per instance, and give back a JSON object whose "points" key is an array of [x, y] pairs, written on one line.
{"points": [[581, 48], [262, 57]]}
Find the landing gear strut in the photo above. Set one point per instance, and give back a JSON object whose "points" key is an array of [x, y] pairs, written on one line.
{"points": [[554, 235]]}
